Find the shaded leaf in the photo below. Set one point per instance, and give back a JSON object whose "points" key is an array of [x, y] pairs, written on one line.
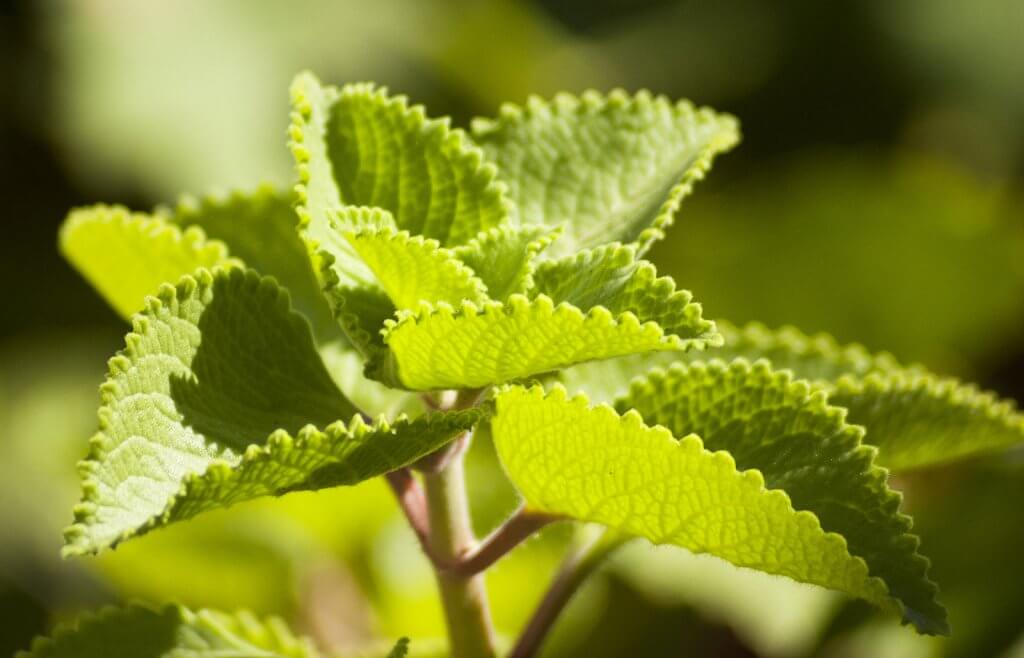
{"points": [[503, 257]]}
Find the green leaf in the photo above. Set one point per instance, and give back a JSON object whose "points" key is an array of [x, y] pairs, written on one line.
{"points": [[612, 277], [401, 649], [259, 227], [358, 146], [915, 418], [503, 257], [785, 430], [613, 168], [441, 347], [413, 269], [200, 408], [591, 464], [173, 631], [919, 420], [127, 256]]}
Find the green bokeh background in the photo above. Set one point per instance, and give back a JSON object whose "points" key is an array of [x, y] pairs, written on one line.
{"points": [[878, 196]]}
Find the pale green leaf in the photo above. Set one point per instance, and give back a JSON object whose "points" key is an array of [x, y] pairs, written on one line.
{"points": [[260, 228], [441, 347], [503, 257], [127, 256], [200, 408], [784, 429], [591, 464], [173, 632], [612, 168], [358, 146], [413, 269], [612, 277]]}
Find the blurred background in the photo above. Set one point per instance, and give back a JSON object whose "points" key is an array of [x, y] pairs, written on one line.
{"points": [[877, 195]]}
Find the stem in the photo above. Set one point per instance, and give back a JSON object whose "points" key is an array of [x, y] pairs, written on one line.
{"points": [[517, 529], [413, 503], [451, 535], [577, 566]]}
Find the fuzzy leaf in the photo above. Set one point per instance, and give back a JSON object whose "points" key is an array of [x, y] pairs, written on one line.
{"points": [[589, 463], [785, 430], [414, 269], [127, 256], [173, 632], [259, 227], [612, 277], [200, 408], [358, 146], [613, 168], [440, 347], [503, 257]]}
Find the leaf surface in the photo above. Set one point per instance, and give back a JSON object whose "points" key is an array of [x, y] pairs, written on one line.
{"points": [[172, 632], [200, 408], [590, 463], [440, 347], [261, 229], [612, 168], [358, 146], [786, 431], [127, 256]]}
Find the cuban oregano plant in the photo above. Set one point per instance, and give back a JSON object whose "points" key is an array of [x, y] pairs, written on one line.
{"points": [[489, 282]]}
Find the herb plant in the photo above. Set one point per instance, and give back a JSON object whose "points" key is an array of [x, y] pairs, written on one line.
{"points": [[422, 286]]}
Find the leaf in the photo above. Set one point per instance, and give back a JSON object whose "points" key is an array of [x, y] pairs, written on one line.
{"points": [[441, 347], [786, 430], [412, 269], [591, 464], [127, 256], [200, 408], [916, 418], [358, 146], [173, 631], [260, 228], [919, 420], [401, 649], [503, 257], [612, 277], [613, 168]]}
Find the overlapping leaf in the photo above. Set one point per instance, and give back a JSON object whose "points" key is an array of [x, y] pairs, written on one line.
{"points": [[260, 228], [503, 257], [358, 146], [200, 408], [173, 631], [786, 431], [127, 256], [439, 347], [613, 168], [592, 464]]}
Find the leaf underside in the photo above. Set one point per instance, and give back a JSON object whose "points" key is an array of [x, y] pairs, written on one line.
{"points": [[611, 168], [590, 463], [200, 408], [785, 430], [127, 256], [173, 631]]}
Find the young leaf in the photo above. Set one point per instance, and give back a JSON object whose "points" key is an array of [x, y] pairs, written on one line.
{"points": [[199, 409], [260, 228], [612, 277], [440, 347], [358, 146], [173, 631], [785, 430], [503, 257], [127, 256], [589, 463], [613, 168], [414, 269]]}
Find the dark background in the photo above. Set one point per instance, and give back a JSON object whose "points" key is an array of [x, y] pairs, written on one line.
{"points": [[877, 196]]}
